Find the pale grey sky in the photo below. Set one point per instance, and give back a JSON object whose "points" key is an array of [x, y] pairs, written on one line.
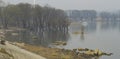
{"points": [[99, 5]]}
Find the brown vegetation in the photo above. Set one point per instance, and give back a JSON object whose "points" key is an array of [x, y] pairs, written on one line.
{"points": [[55, 53]]}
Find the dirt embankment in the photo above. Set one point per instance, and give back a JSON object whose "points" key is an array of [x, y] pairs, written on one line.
{"points": [[10, 51]]}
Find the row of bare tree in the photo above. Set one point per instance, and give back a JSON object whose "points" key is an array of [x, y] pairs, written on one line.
{"points": [[35, 17]]}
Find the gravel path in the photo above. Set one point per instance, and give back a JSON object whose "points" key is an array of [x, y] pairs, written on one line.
{"points": [[10, 51]]}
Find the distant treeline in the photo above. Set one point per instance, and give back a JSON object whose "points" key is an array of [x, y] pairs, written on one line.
{"points": [[81, 14], [33, 17], [78, 15]]}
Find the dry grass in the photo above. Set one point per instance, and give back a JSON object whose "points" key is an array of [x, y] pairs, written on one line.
{"points": [[45, 52], [55, 53], [76, 33], [49, 53]]}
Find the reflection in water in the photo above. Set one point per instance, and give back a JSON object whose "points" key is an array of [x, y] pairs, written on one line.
{"points": [[103, 35], [98, 26], [94, 27], [41, 38], [97, 57], [82, 32], [101, 25]]}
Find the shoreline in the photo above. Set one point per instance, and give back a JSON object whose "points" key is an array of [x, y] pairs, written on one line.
{"points": [[10, 51], [15, 50], [56, 53]]}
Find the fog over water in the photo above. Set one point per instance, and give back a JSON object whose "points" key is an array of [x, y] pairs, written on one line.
{"points": [[99, 5]]}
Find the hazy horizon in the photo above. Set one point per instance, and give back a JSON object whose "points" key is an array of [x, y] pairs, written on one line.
{"points": [[98, 5]]}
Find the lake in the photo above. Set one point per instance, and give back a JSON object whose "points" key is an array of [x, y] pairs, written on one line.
{"points": [[97, 35], [103, 35]]}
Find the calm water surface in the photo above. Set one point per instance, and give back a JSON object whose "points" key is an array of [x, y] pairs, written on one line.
{"points": [[96, 35]]}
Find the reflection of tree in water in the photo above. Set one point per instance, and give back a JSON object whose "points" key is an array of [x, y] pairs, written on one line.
{"points": [[97, 57], [52, 36], [82, 32], [105, 25], [40, 38]]}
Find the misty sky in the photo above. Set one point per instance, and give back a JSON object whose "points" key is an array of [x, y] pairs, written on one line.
{"points": [[99, 5]]}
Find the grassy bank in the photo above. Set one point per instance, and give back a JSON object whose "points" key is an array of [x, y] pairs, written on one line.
{"points": [[55, 53], [51, 53]]}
